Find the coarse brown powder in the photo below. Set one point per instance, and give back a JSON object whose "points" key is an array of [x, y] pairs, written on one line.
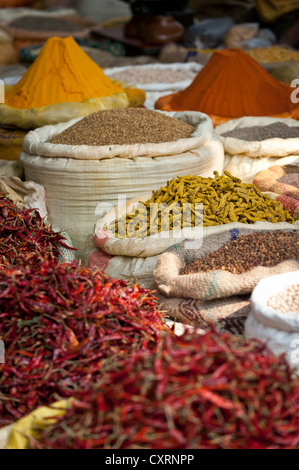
{"points": [[123, 127]]}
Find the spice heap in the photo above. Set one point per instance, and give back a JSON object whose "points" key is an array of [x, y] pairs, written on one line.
{"points": [[273, 54], [25, 233], [61, 73], [277, 129], [123, 127], [218, 90], [194, 392], [43, 23], [286, 301], [225, 199], [152, 75], [59, 323], [248, 251]]}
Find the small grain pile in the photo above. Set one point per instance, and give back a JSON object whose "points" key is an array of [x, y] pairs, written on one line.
{"points": [[225, 199], [42, 23], [152, 75], [248, 251], [232, 85], [256, 133], [286, 301], [273, 54], [124, 127]]}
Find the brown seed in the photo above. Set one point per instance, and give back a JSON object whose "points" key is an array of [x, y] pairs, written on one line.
{"points": [[123, 127], [249, 251]]}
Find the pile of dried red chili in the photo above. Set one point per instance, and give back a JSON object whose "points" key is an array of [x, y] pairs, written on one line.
{"points": [[193, 392], [25, 232], [60, 325]]}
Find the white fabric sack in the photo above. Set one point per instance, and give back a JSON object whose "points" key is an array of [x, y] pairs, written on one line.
{"points": [[157, 86], [5, 435], [79, 190], [245, 159], [11, 168], [279, 330], [36, 143], [31, 195]]}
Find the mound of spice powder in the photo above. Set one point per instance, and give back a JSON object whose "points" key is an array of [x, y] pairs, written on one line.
{"points": [[62, 73], [231, 85], [123, 127], [248, 251], [194, 392], [59, 323], [24, 232]]}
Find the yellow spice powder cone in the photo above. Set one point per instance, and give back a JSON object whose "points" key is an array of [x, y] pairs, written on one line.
{"points": [[62, 73]]}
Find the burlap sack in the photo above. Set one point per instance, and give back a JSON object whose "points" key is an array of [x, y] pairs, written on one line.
{"points": [[226, 315], [215, 284]]}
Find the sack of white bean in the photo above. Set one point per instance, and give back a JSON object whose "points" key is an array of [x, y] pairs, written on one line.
{"points": [[252, 144], [274, 315]]}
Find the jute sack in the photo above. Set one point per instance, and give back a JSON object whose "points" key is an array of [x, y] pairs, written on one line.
{"points": [[218, 283], [244, 159], [81, 188], [279, 330], [226, 315]]}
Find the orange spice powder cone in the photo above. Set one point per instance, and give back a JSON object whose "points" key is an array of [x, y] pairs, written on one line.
{"points": [[232, 85]]}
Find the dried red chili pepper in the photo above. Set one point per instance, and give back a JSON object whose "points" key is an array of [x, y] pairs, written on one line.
{"points": [[190, 411], [24, 232], [58, 335]]}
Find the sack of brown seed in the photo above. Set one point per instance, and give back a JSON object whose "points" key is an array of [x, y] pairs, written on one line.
{"points": [[252, 144], [229, 260], [83, 169]]}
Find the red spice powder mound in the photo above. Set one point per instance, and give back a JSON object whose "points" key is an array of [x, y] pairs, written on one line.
{"points": [[232, 85]]}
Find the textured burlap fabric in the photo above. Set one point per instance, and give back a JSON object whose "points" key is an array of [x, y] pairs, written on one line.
{"points": [[218, 283], [226, 315]]}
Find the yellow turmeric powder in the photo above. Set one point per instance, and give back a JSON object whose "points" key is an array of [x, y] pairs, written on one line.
{"points": [[62, 73]]}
